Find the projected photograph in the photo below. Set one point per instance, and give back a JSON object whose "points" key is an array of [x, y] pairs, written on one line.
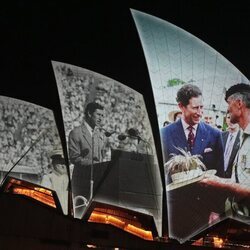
{"points": [[110, 143], [200, 107], [31, 148]]}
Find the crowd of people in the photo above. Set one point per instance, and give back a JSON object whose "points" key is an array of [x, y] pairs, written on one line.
{"points": [[23, 127], [124, 108]]}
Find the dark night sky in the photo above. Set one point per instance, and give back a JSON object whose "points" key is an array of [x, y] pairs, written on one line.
{"points": [[101, 36]]}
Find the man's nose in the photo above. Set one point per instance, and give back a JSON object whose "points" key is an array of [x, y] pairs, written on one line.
{"points": [[199, 111]]}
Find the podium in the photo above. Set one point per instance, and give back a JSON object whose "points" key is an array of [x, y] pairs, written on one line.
{"points": [[129, 181]]}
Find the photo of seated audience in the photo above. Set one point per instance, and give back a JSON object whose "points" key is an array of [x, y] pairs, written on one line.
{"points": [[28, 134], [124, 108]]}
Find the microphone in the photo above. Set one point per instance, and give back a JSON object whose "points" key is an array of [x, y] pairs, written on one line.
{"points": [[134, 133], [122, 137], [106, 132]]}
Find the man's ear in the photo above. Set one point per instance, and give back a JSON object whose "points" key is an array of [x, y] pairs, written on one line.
{"points": [[239, 103], [181, 106], [88, 115]]}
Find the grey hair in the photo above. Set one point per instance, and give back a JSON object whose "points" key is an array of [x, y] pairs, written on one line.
{"points": [[243, 96]]}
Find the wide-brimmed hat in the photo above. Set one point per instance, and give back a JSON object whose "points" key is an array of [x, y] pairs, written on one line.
{"points": [[189, 177], [172, 115]]}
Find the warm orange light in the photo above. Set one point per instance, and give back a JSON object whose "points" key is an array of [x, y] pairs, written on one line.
{"points": [[43, 190], [114, 221], [218, 242], [199, 242], [28, 189], [147, 235], [106, 219], [99, 217], [44, 198]]}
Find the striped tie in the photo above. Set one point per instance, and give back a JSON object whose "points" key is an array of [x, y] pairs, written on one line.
{"points": [[190, 138]]}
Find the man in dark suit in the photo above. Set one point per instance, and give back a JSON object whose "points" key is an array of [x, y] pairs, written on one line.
{"points": [[190, 208], [231, 142], [192, 135], [86, 144]]}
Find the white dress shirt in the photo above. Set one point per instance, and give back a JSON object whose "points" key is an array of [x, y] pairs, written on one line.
{"points": [[186, 130]]}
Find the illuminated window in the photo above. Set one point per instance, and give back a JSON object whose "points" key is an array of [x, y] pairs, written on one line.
{"points": [[123, 219], [31, 190]]}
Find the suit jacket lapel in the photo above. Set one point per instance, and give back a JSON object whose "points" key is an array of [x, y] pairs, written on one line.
{"points": [[87, 136], [235, 147], [179, 137], [200, 138], [224, 138]]}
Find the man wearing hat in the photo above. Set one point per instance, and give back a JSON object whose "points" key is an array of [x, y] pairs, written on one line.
{"points": [[58, 179], [238, 187]]}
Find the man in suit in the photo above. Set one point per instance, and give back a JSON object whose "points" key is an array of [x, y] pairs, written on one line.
{"points": [[192, 135], [231, 142], [190, 207], [86, 145]]}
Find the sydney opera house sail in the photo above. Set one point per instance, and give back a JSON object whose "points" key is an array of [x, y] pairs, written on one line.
{"points": [[174, 57], [30, 148], [113, 166], [182, 67]]}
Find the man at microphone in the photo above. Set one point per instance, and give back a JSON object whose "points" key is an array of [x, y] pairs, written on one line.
{"points": [[86, 147]]}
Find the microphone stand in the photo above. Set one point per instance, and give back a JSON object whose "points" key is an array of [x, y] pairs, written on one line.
{"points": [[107, 134], [148, 145], [92, 166]]}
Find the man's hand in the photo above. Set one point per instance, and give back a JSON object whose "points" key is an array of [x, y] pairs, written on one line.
{"points": [[215, 182], [226, 186]]}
